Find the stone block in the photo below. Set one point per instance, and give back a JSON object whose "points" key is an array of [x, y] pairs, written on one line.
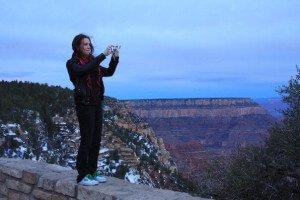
{"points": [[2, 177], [42, 195], [3, 189], [4, 160], [58, 197], [56, 168], [70, 198], [49, 180], [19, 186], [17, 173], [14, 195], [66, 186], [90, 193], [30, 177]]}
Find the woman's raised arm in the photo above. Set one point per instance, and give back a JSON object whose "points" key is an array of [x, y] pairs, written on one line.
{"points": [[79, 69]]}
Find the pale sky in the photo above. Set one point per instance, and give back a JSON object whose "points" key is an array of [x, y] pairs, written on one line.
{"points": [[170, 49]]}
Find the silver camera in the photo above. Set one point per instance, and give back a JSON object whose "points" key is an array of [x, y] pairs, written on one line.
{"points": [[114, 48]]}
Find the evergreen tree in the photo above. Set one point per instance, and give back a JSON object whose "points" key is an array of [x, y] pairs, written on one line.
{"points": [[271, 171]]}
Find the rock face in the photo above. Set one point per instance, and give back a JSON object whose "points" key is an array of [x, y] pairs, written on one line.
{"points": [[194, 130], [124, 118], [26, 179]]}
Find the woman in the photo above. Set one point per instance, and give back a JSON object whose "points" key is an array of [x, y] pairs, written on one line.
{"points": [[86, 74]]}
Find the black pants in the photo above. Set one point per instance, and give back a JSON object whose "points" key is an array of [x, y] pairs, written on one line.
{"points": [[90, 124]]}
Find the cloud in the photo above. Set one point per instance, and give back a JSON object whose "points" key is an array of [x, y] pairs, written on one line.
{"points": [[212, 46], [15, 75]]}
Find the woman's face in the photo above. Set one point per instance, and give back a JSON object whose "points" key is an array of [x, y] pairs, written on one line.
{"points": [[85, 47]]}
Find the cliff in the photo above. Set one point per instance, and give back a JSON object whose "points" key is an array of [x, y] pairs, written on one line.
{"points": [[26, 179], [212, 122], [197, 130]]}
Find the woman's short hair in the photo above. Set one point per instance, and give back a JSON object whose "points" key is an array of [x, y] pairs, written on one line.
{"points": [[77, 41]]}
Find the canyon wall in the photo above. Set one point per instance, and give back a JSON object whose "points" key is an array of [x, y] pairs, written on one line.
{"points": [[195, 130]]}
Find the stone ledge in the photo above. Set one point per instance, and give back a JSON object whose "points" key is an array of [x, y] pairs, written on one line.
{"points": [[40, 180]]}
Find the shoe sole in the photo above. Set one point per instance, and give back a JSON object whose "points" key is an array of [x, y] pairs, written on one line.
{"points": [[87, 184]]}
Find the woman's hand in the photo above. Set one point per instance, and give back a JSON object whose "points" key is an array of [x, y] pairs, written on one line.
{"points": [[107, 51]]}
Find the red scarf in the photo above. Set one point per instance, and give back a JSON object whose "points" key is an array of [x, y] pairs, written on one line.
{"points": [[88, 76]]}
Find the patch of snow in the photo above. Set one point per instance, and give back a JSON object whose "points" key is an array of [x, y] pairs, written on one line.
{"points": [[102, 162], [104, 150], [11, 133], [44, 147], [106, 108], [22, 149], [14, 154], [77, 130], [18, 139], [12, 125], [132, 176], [148, 145], [38, 120], [106, 155]]}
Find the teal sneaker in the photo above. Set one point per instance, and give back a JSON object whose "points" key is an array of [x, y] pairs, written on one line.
{"points": [[88, 180], [99, 178]]}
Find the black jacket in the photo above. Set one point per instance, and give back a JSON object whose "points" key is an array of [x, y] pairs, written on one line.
{"points": [[77, 73]]}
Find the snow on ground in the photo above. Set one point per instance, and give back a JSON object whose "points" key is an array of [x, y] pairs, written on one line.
{"points": [[77, 130], [77, 138], [18, 139], [11, 133], [104, 150], [22, 149], [132, 176], [106, 108], [12, 125], [45, 147], [38, 120]]}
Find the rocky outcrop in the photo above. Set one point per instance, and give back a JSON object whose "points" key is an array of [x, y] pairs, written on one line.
{"points": [[26, 179], [125, 119]]}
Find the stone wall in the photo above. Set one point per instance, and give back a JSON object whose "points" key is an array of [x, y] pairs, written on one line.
{"points": [[22, 179]]}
